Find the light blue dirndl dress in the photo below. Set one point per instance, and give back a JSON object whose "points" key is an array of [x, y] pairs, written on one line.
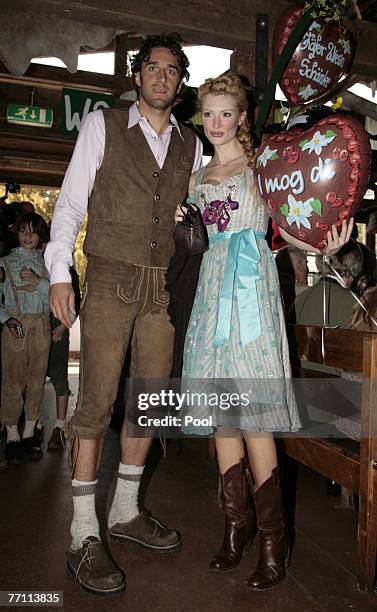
{"points": [[236, 340]]}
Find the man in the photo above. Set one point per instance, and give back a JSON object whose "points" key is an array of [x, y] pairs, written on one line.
{"points": [[134, 165], [329, 302]]}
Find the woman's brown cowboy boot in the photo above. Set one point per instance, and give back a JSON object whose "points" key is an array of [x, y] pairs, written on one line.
{"points": [[240, 527], [273, 535]]}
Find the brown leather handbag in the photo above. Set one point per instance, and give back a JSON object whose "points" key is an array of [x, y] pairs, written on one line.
{"points": [[191, 233]]}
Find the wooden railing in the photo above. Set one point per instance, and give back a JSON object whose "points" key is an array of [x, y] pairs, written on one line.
{"points": [[357, 470]]}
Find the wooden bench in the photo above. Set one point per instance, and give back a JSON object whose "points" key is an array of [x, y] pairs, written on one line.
{"points": [[355, 469]]}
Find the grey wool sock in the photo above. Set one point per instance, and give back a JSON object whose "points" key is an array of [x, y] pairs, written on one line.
{"points": [[85, 521], [125, 502]]}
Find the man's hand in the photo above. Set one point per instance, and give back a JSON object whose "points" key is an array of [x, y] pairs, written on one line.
{"points": [[57, 333], [335, 241], [62, 302], [27, 274]]}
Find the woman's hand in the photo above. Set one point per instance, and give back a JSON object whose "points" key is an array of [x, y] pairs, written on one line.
{"points": [[57, 332], [335, 241], [27, 274], [179, 211]]}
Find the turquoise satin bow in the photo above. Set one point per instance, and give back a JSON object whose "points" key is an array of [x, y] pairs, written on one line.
{"points": [[241, 274]]}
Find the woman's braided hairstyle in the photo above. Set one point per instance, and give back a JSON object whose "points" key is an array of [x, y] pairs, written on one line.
{"points": [[231, 84]]}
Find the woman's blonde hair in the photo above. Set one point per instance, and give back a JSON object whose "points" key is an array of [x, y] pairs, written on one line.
{"points": [[231, 85]]}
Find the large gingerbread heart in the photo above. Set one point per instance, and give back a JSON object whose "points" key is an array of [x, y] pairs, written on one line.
{"points": [[322, 58], [313, 179]]}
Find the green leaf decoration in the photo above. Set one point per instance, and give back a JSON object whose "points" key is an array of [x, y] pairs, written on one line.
{"points": [[302, 143], [258, 165], [316, 205], [329, 10], [330, 134], [284, 210], [274, 156]]}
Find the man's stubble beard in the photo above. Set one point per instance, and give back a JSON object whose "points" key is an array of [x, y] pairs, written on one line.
{"points": [[158, 104]]}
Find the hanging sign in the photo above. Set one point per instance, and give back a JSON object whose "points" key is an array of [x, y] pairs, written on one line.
{"points": [[76, 104], [321, 59], [29, 115]]}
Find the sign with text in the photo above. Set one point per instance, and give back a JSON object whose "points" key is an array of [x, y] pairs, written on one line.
{"points": [[76, 104], [323, 57], [29, 115]]}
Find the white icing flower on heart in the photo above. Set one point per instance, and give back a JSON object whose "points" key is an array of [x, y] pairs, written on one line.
{"points": [[345, 45], [317, 142], [307, 92], [266, 156], [314, 26], [299, 212]]}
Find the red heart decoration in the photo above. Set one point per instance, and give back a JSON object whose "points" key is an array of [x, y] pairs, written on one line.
{"points": [[322, 58], [313, 179]]}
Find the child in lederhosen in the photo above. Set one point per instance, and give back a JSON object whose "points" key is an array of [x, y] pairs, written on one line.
{"points": [[26, 336]]}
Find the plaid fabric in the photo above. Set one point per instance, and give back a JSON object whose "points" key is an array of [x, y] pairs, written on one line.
{"points": [[30, 302]]}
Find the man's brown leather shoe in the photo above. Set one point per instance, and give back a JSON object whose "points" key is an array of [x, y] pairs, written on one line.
{"points": [[94, 570], [147, 531]]}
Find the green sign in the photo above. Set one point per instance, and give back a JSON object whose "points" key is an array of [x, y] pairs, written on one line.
{"points": [[76, 104], [29, 115]]}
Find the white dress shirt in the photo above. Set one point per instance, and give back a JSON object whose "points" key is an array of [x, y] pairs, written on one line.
{"points": [[72, 203]]}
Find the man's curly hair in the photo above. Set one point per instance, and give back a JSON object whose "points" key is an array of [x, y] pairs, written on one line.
{"points": [[168, 41]]}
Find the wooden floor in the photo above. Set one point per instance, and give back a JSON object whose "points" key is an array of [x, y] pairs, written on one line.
{"points": [[35, 512]]}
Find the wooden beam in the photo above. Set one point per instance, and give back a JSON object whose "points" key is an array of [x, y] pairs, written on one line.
{"points": [[359, 105], [215, 22], [35, 144], [30, 157], [365, 62], [55, 78], [329, 459]]}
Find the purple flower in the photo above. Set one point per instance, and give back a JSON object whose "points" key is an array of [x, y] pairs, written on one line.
{"points": [[217, 211]]}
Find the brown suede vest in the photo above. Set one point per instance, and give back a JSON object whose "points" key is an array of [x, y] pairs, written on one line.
{"points": [[132, 204]]}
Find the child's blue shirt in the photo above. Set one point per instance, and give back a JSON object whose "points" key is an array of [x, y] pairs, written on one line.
{"points": [[32, 299]]}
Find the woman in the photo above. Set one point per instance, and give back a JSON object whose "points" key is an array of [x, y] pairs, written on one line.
{"points": [[236, 339]]}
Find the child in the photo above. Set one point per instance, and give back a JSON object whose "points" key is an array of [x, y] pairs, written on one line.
{"points": [[58, 369], [25, 315]]}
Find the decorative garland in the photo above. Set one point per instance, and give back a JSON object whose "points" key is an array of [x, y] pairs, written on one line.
{"points": [[328, 10]]}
